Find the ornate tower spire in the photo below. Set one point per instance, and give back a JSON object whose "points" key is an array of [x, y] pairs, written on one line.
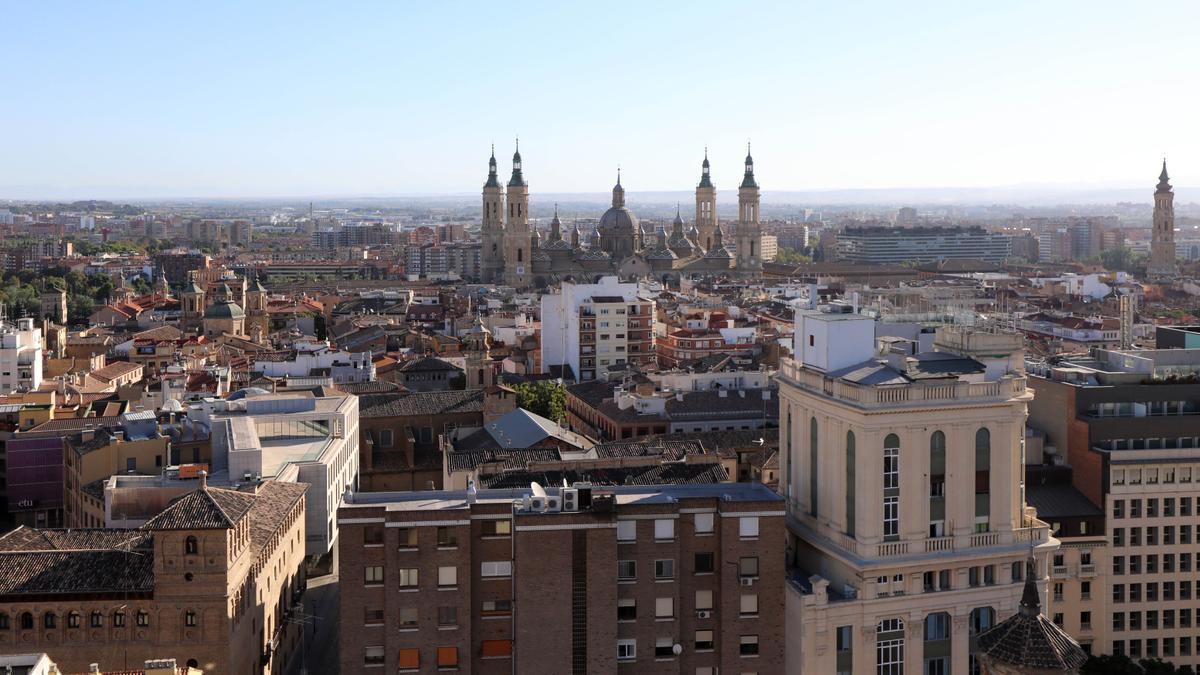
{"points": [[517, 237], [492, 230], [493, 179], [1162, 265], [748, 234], [618, 198], [517, 179], [555, 226], [706, 206]]}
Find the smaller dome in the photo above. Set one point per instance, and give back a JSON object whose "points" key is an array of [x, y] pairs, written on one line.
{"points": [[224, 310]]}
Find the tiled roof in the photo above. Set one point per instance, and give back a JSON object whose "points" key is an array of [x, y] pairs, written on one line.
{"points": [[114, 370], [271, 505], [421, 403], [29, 539], [695, 404], [376, 387], [657, 447], [426, 365], [38, 562], [669, 473], [469, 460], [1031, 641], [203, 509]]}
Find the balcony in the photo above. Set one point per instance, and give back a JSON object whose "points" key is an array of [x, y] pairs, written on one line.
{"points": [[1088, 570], [1059, 572], [900, 395]]}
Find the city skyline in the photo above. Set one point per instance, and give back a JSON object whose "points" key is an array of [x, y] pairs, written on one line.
{"points": [[168, 102]]}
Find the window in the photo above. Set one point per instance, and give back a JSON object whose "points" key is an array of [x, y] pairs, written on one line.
{"points": [[664, 608], [73, 620], [118, 620], [704, 640], [891, 462], [447, 616], [499, 568], [748, 527], [408, 537], [373, 656], [497, 528], [626, 609], [26, 621], [626, 530], [372, 616], [749, 606], [447, 657], [850, 483], [626, 570], [983, 465], [704, 523], [748, 566], [191, 546], [704, 563], [748, 645], [626, 650], [410, 658], [664, 529], [814, 475], [664, 569], [408, 577], [373, 535], [189, 619], [143, 619], [385, 438], [446, 538], [891, 518], [497, 607], [374, 574], [447, 577], [497, 649], [97, 620], [1118, 508], [664, 647], [704, 599]]}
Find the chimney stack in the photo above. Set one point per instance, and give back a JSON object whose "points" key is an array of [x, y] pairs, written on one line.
{"points": [[203, 479]]}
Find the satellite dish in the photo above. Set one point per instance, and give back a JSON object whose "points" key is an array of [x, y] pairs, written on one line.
{"points": [[537, 489], [676, 649]]}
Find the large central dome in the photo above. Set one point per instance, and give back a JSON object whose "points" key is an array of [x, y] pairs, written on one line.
{"points": [[618, 219]]}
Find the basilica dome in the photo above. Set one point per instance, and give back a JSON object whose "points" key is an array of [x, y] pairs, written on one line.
{"points": [[618, 220]]}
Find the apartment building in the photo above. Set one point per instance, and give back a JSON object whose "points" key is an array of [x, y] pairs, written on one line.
{"points": [[134, 446], [308, 358], [20, 356], [1125, 422], [210, 581], [650, 579], [902, 472], [591, 327]]}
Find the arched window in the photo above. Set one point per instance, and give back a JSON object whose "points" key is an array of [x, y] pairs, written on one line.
{"points": [[891, 487], [97, 620], [937, 643], [814, 480], [143, 619], [189, 619], [937, 484], [889, 647], [983, 479], [191, 546], [73, 620], [850, 483], [26, 621], [50, 620], [118, 619], [3, 621]]}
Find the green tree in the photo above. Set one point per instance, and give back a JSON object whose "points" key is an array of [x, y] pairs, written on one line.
{"points": [[545, 398], [1109, 664], [791, 256]]}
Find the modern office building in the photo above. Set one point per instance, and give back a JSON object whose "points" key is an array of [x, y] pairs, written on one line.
{"points": [[587, 328], [292, 438], [902, 471], [893, 245], [1125, 422], [20, 356], [649, 579]]}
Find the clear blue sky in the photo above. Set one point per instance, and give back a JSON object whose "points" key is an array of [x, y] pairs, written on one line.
{"points": [[390, 98]]}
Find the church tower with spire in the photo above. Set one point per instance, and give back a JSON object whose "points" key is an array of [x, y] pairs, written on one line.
{"points": [[1162, 266], [476, 348], [706, 206], [518, 269], [749, 230], [492, 232]]}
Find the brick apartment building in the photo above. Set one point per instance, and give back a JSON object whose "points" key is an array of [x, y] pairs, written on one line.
{"points": [[648, 579]]}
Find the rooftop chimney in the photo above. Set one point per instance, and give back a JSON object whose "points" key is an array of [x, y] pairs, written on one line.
{"points": [[203, 479]]}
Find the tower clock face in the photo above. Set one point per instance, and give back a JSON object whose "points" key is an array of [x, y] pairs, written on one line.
{"points": [[520, 269]]}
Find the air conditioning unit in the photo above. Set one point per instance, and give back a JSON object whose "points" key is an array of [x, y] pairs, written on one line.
{"points": [[747, 581], [570, 499], [537, 503], [703, 614], [553, 504]]}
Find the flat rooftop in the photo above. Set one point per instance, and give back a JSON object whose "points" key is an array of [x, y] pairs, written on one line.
{"points": [[623, 495]]}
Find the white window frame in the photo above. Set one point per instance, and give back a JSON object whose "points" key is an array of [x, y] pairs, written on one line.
{"points": [[626, 530], [664, 608], [704, 523], [626, 650], [748, 527], [704, 599], [447, 576], [664, 529], [495, 569]]}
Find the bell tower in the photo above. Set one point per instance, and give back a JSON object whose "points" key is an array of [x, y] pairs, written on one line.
{"points": [[517, 266], [476, 347], [706, 206], [492, 232], [749, 231], [1162, 264]]}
